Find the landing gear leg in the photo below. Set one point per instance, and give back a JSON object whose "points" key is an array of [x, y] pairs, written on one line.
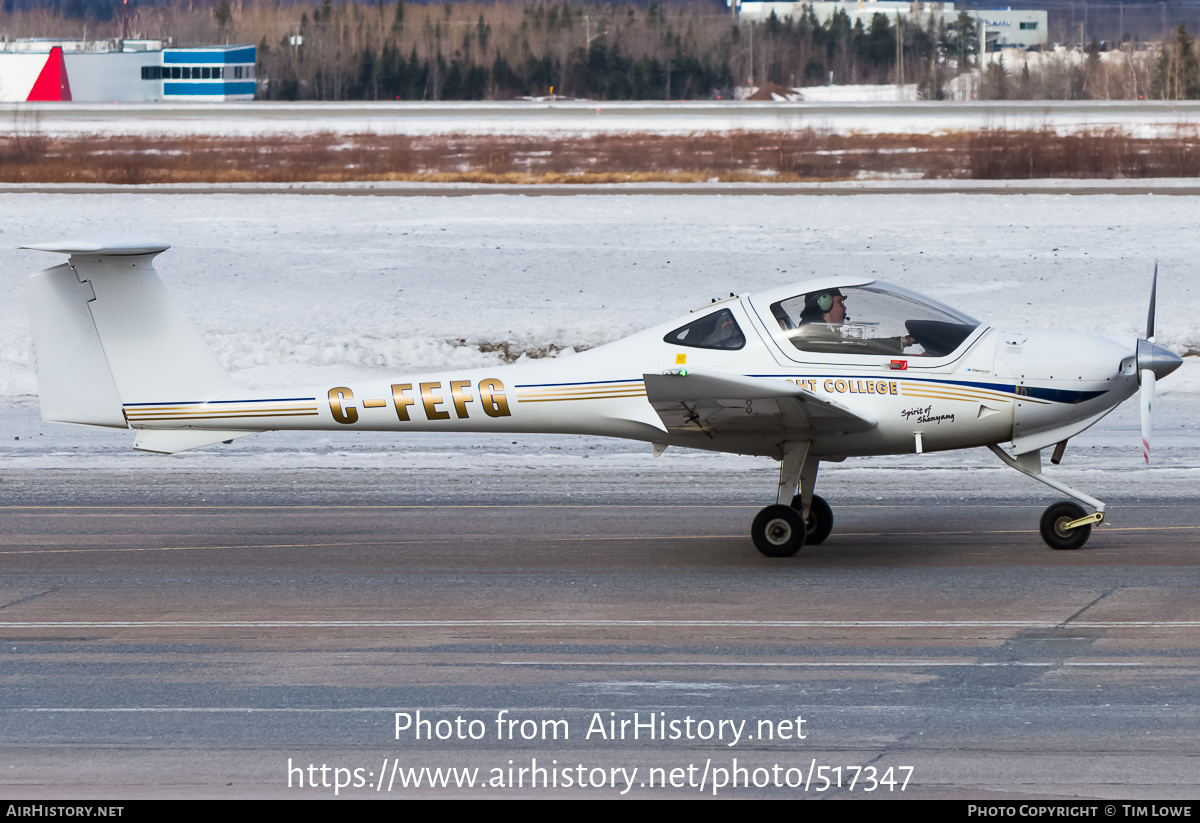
{"points": [[818, 517], [1064, 525], [780, 530]]}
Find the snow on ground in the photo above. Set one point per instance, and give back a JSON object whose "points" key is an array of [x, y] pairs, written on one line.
{"points": [[295, 289], [906, 93], [1143, 118]]}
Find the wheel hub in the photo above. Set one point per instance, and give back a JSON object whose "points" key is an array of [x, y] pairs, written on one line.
{"points": [[779, 532]]}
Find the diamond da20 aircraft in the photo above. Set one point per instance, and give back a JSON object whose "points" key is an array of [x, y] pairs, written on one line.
{"points": [[817, 371]]}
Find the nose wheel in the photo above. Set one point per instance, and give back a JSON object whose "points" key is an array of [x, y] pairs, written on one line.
{"points": [[1067, 526]]}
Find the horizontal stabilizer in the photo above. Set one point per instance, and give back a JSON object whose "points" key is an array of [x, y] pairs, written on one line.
{"points": [[118, 246], [700, 401], [169, 441]]}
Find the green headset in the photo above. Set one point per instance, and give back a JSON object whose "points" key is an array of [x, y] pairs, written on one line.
{"points": [[820, 301]]}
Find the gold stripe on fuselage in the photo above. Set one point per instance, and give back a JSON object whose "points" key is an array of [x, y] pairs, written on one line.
{"points": [[942, 391], [584, 397], [220, 412], [633, 388], [208, 413]]}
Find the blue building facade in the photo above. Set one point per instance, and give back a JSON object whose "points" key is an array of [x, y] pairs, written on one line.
{"points": [[208, 73]]}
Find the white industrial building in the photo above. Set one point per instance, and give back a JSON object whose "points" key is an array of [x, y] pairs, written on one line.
{"points": [[1003, 28], [123, 71]]}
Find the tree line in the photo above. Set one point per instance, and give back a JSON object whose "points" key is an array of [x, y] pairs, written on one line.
{"points": [[605, 52], [390, 50]]}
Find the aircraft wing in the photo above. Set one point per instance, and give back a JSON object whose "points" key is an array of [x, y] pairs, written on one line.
{"points": [[732, 403]]}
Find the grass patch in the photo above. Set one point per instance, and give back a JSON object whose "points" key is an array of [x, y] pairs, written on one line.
{"points": [[792, 156]]}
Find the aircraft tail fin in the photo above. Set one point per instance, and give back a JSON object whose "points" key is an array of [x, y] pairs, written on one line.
{"points": [[106, 333]]}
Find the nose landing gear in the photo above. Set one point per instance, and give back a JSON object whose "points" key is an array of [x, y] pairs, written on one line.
{"points": [[1065, 525]]}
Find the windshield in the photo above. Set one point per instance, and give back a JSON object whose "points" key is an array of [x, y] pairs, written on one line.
{"points": [[876, 319]]}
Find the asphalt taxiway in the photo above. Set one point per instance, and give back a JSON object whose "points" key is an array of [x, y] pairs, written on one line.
{"points": [[212, 648]]}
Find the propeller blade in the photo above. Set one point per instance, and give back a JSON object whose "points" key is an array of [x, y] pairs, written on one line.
{"points": [[1147, 374], [1150, 316], [1147, 402]]}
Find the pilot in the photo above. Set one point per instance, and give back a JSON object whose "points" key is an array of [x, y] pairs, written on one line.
{"points": [[824, 307], [824, 311]]}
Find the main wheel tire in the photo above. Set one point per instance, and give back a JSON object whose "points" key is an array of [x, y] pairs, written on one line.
{"points": [[1057, 516], [819, 522], [778, 531]]}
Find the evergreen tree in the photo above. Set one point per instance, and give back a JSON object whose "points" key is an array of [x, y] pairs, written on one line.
{"points": [[223, 15], [1177, 72], [1162, 72], [1093, 73], [1189, 67]]}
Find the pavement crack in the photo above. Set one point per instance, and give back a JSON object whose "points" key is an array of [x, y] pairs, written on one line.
{"points": [[895, 746], [28, 598], [1077, 614]]}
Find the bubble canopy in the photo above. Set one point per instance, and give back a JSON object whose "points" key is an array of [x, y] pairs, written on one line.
{"points": [[869, 318]]}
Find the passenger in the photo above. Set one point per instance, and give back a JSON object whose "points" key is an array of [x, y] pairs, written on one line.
{"points": [[727, 335]]}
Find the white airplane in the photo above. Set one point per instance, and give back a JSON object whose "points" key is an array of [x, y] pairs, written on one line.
{"points": [[817, 371]]}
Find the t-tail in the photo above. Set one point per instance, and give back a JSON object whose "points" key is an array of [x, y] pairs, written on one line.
{"points": [[107, 337]]}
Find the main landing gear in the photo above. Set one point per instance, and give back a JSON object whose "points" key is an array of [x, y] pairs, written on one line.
{"points": [[782, 530], [818, 522], [778, 531], [1065, 525]]}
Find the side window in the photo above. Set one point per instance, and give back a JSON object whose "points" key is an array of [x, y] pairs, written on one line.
{"points": [[718, 330]]}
